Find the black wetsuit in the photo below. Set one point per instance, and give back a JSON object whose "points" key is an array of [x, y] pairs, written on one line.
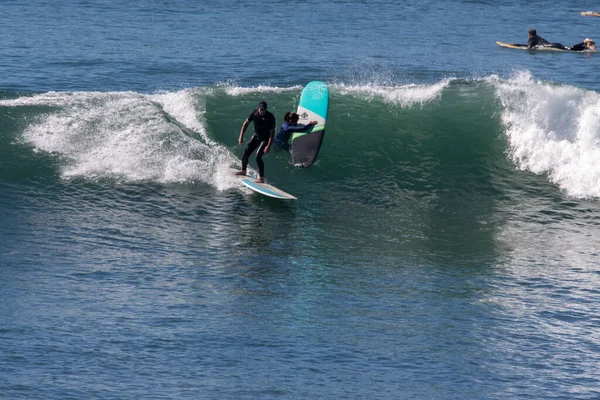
{"points": [[536, 41], [579, 47], [263, 125]]}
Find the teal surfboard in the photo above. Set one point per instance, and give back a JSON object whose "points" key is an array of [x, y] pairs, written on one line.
{"points": [[313, 106], [265, 189]]}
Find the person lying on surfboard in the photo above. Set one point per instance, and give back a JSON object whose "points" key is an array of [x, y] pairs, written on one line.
{"points": [[533, 41], [290, 126], [264, 130], [536, 41]]}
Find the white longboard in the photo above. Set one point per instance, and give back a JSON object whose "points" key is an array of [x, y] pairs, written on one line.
{"points": [[265, 188], [536, 48]]}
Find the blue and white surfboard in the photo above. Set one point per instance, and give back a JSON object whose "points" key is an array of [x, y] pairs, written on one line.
{"points": [[266, 189], [313, 106]]}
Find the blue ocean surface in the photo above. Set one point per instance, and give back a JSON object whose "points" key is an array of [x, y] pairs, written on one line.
{"points": [[445, 245]]}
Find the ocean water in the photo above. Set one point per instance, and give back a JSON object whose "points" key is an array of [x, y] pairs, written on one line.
{"points": [[444, 246]]}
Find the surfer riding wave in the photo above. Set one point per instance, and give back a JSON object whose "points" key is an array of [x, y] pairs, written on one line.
{"points": [[264, 129]]}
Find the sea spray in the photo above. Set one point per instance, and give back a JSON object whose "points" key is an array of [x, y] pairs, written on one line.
{"points": [[404, 95], [126, 136], [554, 130]]}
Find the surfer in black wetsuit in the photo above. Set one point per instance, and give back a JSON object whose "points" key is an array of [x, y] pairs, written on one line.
{"points": [[534, 41], [290, 125], [264, 130]]}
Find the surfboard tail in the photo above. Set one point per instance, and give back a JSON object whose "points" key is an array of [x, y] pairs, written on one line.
{"points": [[306, 148]]}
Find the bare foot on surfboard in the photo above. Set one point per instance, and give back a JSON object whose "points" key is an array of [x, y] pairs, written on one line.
{"points": [[260, 180], [241, 173]]}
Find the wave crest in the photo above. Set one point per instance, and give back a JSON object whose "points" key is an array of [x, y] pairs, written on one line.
{"points": [[553, 129]]}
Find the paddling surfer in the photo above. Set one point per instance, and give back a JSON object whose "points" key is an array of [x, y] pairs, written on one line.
{"points": [[533, 41]]}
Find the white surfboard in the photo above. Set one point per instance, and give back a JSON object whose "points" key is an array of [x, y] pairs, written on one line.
{"points": [[536, 48], [265, 188]]}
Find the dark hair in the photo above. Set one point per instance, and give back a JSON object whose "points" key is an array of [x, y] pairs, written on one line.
{"points": [[532, 32], [290, 116]]}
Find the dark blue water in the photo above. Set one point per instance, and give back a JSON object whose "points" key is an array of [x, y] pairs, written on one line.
{"points": [[444, 246]]}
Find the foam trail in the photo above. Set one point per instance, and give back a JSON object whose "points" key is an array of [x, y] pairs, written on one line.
{"points": [[126, 136], [187, 107], [555, 130]]}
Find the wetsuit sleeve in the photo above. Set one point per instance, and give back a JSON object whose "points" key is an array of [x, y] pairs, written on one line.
{"points": [[251, 116], [578, 47], [299, 128], [272, 117]]}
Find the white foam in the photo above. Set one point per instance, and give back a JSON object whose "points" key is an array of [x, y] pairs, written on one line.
{"points": [[553, 130], [404, 96], [127, 136], [55, 99], [186, 106], [241, 91]]}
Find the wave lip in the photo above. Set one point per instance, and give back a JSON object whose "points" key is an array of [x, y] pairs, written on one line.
{"points": [[233, 90], [404, 96]]}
